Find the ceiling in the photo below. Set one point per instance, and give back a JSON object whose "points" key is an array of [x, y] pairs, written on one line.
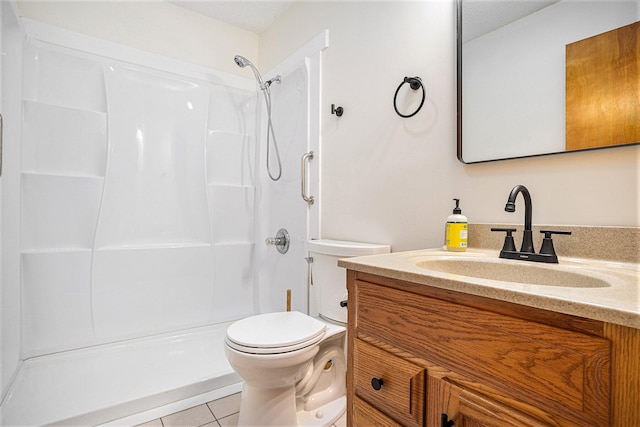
{"points": [[480, 16], [252, 15]]}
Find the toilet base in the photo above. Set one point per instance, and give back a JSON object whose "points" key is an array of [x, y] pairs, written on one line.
{"points": [[323, 416], [267, 406], [280, 410]]}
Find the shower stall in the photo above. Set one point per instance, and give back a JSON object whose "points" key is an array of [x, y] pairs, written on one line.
{"points": [[135, 207]]}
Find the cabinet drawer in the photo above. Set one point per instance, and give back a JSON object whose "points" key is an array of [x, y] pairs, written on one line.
{"points": [[365, 415], [401, 395]]}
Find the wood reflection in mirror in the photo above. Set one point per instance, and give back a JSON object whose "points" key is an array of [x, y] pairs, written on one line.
{"points": [[603, 89]]}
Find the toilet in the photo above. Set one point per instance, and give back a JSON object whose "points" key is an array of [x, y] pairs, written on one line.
{"points": [[294, 365]]}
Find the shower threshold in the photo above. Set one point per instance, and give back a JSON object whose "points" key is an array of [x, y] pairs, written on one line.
{"points": [[122, 383]]}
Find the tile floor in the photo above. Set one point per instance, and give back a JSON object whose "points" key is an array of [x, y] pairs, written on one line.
{"points": [[219, 413]]}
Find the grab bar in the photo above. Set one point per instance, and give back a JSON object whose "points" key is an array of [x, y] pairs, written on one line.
{"points": [[1, 131], [308, 199]]}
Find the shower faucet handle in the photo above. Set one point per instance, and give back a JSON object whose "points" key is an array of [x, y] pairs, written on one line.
{"points": [[281, 241]]}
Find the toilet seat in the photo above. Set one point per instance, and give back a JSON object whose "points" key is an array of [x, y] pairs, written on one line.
{"points": [[275, 333]]}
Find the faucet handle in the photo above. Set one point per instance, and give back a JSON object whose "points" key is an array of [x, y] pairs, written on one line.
{"points": [[547, 243], [509, 245]]}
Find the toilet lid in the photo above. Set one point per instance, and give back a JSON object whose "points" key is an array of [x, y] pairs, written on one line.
{"points": [[275, 332]]}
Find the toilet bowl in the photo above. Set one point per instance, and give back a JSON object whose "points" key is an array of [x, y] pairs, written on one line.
{"points": [[294, 365], [282, 374]]}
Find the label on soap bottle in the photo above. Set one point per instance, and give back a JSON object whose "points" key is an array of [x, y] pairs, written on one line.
{"points": [[456, 236]]}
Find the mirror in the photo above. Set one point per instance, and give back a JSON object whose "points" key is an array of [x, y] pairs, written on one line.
{"points": [[512, 70]]}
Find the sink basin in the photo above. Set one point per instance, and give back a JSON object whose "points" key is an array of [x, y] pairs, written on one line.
{"points": [[518, 272]]}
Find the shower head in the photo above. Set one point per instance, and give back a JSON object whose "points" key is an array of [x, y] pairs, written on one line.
{"points": [[241, 61]]}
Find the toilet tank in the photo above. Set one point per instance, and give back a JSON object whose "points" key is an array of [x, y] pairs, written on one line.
{"points": [[328, 281]]}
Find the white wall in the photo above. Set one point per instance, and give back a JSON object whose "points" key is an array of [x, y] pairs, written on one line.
{"points": [[151, 25], [391, 180], [385, 179]]}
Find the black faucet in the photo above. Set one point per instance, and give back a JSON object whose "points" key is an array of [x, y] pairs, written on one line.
{"points": [[527, 253], [527, 237]]}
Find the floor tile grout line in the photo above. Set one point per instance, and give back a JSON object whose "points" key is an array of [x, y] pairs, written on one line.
{"points": [[211, 410]]}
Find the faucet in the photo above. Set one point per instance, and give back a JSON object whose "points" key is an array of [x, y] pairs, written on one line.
{"points": [[527, 253], [527, 238]]}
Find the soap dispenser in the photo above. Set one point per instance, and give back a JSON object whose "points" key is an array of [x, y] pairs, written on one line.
{"points": [[456, 230]]}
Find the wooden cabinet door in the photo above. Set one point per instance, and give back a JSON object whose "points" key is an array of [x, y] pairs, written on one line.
{"points": [[468, 409]]}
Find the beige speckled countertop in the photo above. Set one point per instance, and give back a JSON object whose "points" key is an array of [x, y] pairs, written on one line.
{"points": [[618, 301]]}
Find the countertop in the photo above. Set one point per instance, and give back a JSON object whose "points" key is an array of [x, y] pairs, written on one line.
{"points": [[618, 303]]}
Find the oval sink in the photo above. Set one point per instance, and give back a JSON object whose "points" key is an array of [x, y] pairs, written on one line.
{"points": [[518, 272]]}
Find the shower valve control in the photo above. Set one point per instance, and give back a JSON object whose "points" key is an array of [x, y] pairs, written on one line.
{"points": [[281, 241]]}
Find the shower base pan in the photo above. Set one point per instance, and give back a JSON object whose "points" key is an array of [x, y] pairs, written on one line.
{"points": [[124, 383]]}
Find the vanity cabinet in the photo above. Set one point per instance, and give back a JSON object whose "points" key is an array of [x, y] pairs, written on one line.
{"points": [[418, 354]]}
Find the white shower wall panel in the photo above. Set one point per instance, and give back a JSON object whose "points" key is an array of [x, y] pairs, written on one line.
{"points": [[155, 186], [280, 202], [126, 172], [232, 213], [59, 211], [234, 291], [57, 301], [137, 292], [227, 150], [233, 111], [63, 140], [10, 103], [57, 76]]}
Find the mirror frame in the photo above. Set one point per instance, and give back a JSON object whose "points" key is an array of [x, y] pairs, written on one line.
{"points": [[459, 106]]}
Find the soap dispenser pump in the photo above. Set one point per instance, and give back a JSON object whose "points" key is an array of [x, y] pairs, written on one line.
{"points": [[456, 230]]}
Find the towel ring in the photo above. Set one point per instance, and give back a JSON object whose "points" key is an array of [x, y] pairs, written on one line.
{"points": [[414, 83]]}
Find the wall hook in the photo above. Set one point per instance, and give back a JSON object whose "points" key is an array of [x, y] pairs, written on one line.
{"points": [[338, 111]]}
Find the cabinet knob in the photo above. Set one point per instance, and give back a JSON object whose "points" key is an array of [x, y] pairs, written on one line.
{"points": [[376, 383], [445, 421]]}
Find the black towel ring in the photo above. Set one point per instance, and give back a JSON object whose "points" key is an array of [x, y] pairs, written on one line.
{"points": [[414, 83]]}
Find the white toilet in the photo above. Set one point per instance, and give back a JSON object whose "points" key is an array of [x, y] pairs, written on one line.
{"points": [[293, 365]]}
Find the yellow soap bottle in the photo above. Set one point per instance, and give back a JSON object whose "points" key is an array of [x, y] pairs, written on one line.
{"points": [[456, 230]]}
